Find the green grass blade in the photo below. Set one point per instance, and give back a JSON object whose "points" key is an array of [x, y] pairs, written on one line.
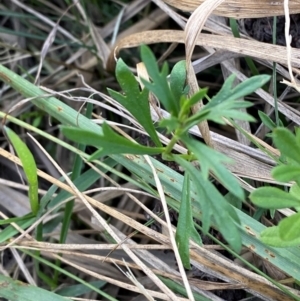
{"points": [[29, 167], [10, 231], [18, 291], [185, 224]]}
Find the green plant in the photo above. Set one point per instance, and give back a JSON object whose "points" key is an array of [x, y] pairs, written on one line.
{"points": [[287, 232], [213, 206]]}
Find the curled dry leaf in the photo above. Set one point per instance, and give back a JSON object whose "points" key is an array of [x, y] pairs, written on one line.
{"points": [[240, 8], [192, 30]]}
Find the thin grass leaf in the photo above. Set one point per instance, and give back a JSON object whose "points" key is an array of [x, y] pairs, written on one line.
{"points": [[235, 30], [29, 167], [185, 225], [69, 274], [79, 289], [16, 290], [11, 231], [16, 219], [180, 289]]}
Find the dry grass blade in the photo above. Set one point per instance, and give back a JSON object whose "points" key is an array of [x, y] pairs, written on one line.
{"points": [[133, 279], [192, 30], [171, 235], [47, 44], [256, 284], [114, 281], [245, 47], [115, 218], [111, 212], [240, 8], [195, 24]]}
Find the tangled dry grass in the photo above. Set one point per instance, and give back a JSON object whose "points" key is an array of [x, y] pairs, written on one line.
{"points": [[107, 237]]}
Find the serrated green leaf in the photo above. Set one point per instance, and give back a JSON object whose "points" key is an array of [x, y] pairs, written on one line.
{"points": [[201, 193], [233, 113], [109, 142], [225, 99], [266, 120], [209, 159], [289, 227], [224, 93], [159, 85], [241, 104], [213, 205], [286, 142], [134, 100], [249, 86], [29, 167], [273, 198], [215, 111], [185, 224]]}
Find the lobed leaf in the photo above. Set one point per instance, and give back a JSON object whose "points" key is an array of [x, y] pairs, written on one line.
{"points": [[213, 205], [249, 86], [159, 85], [209, 159], [134, 100], [109, 142]]}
